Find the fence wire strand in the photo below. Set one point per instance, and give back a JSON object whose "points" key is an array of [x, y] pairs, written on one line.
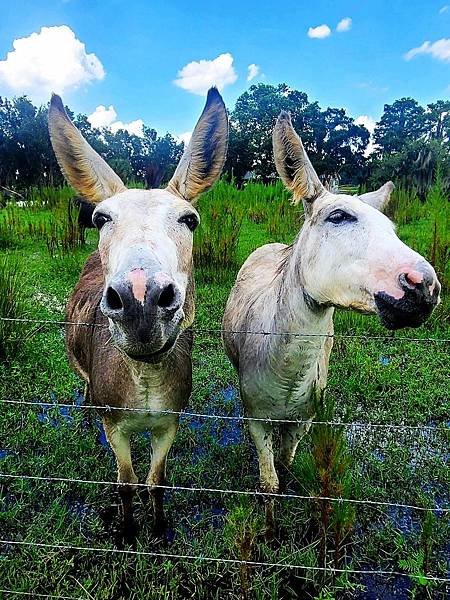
{"points": [[182, 488], [229, 561], [217, 330], [193, 415]]}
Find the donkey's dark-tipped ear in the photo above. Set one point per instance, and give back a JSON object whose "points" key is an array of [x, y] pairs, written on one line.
{"points": [[379, 198], [83, 168], [292, 162], [203, 159]]}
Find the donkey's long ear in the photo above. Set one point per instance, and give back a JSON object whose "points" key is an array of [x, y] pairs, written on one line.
{"points": [[202, 162], [293, 164], [379, 198], [83, 168]]}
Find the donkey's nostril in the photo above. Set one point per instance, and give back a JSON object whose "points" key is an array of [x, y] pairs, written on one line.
{"points": [[411, 280], [113, 300], [166, 297]]}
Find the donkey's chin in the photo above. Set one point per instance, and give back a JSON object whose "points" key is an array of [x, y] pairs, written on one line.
{"points": [[153, 357], [146, 351], [396, 314]]}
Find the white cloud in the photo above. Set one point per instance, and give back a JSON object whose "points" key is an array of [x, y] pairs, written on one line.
{"points": [[319, 32], [134, 127], [51, 60], [198, 76], [252, 71], [444, 9], [102, 116], [344, 25], [185, 137], [439, 50], [106, 117], [369, 123]]}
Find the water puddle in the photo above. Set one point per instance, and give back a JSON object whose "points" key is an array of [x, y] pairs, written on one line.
{"points": [[380, 588], [225, 432], [52, 415]]}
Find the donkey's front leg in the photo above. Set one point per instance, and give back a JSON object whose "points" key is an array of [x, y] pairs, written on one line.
{"points": [[163, 435], [262, 435], [120, 444]]}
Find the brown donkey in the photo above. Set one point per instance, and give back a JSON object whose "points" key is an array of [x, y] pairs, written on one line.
{"points": [[346, 255], [137, 290]]}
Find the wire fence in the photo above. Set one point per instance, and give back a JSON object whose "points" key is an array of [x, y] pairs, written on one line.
{"points": [[220, 560], [186, 414], [181, 488], [220, 331], [199, 489]]}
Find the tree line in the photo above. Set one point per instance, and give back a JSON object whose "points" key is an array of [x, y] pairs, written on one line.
{"points": [[410, 140]]}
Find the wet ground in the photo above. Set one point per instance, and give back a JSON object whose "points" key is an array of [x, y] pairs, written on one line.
{"points": [[228, 432]]}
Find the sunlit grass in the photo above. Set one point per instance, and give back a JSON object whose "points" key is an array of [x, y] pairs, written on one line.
{"points": [[386, 381]]}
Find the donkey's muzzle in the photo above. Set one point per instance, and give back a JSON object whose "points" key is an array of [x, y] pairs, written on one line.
{"points": [[145, 313], [421, 295], [159, 297]]}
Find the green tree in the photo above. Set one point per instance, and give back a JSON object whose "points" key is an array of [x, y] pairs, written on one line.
{"points": [[26, 157], [437, 120], [335, 144], [402, 122], [163, 157]]}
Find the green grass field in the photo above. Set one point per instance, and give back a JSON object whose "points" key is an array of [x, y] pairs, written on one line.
{"points": [[389, 381]]}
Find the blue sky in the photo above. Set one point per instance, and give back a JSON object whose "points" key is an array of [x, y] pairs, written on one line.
{"points": [[140, 47]]}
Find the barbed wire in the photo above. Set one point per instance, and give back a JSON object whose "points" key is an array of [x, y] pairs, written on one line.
{"points": [[181, 488], [217, 330], [230, 561], [195, 415]]}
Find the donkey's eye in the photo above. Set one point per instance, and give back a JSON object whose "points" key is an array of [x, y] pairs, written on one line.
{"points": [[340, 216], [99, 219], [190, 220]]}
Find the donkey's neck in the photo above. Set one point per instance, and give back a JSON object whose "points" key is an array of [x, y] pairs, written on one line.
{"points": [[296, 311], [291, 365]]}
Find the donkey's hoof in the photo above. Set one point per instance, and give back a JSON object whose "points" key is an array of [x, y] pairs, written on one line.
{"points": [[126, 534]]}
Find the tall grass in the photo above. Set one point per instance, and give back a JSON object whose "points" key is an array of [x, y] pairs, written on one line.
{"points": [[224, 209], [424, 224], [48, 215], [439, 249], [272, 206], [11, 306], [8, 232], [405, 206], [216, 239], [49, 197], [63, 233]]}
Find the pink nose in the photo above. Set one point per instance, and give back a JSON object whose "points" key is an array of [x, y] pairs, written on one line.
{"points": [[413, 278], [423, 282], [138, 280]]}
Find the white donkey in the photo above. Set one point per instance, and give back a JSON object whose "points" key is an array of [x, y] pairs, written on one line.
{"points": [[346, 255], [137, 290]]}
